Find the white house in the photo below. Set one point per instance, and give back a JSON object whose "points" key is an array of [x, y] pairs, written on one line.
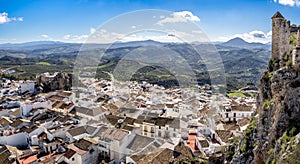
{"points": [[237, 112], [81, 152], [18, 139], [26, 86], [27, 106]]}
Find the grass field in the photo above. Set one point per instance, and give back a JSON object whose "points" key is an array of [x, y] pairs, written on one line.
{"points": [[43, 63]]}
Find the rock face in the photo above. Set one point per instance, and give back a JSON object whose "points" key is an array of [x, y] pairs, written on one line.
{"points": [[278, 112], [57, 81], [275, 139]]}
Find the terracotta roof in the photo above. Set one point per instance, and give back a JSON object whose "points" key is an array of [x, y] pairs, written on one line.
{"points": [[224, 135], [57, 104], [16, 123], [183, 150], [69, 153], [244, 121], [231, 126], [65, 93], [114, 134], [139, 142], [101, 130], [128, 120], [112, 119], [111, 106], [204, 143], [15, 112], [62, 119], [158, 156], [56, 98], [4, 122], [4, 155], [78, 150], [83, 144], [89, 111], [242, 107], [29, 159], [161, 121], [28, 129], [81, 130]]}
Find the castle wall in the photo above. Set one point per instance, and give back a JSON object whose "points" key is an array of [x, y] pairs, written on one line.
{"points": [[296, 58]]}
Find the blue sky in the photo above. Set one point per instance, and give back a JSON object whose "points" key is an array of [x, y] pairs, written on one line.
{"points": [[75, 20]]}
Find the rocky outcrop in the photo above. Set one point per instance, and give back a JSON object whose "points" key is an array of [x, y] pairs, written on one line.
{"points": [[57, 81], [278, 108]]}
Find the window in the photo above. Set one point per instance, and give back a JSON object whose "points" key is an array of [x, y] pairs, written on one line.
{"points": [[73, 159], [91, 151], [159, 127], [152, 129]]}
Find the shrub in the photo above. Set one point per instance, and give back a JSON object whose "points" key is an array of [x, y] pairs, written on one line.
{"points": [[289, 64], [266, 104], [268, 75]]}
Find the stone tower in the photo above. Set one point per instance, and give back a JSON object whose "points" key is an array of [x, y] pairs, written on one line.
{"points": [[280, 35]]}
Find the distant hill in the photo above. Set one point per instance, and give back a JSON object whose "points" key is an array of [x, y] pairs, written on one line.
{"points": [[243, 61], [240, 43], [51, 44], [26, 44]]}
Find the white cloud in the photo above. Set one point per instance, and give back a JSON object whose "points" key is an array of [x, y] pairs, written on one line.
{"points": [[75, 38], [258, 34], [44, 36], [197, 31], [92, 30], [5, 19], [288, 2], [253, 36], [104, 36], [159, 38], [182, 16], [79, 38]]}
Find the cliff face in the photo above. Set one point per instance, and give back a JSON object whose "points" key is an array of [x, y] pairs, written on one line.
{"points": [[275, 138], [279, 116]]}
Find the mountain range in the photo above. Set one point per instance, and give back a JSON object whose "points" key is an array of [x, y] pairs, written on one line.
{"points": [[243, 61]]}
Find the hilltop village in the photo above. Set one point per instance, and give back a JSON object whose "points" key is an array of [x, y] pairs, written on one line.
{"points": [[116, 122]]}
